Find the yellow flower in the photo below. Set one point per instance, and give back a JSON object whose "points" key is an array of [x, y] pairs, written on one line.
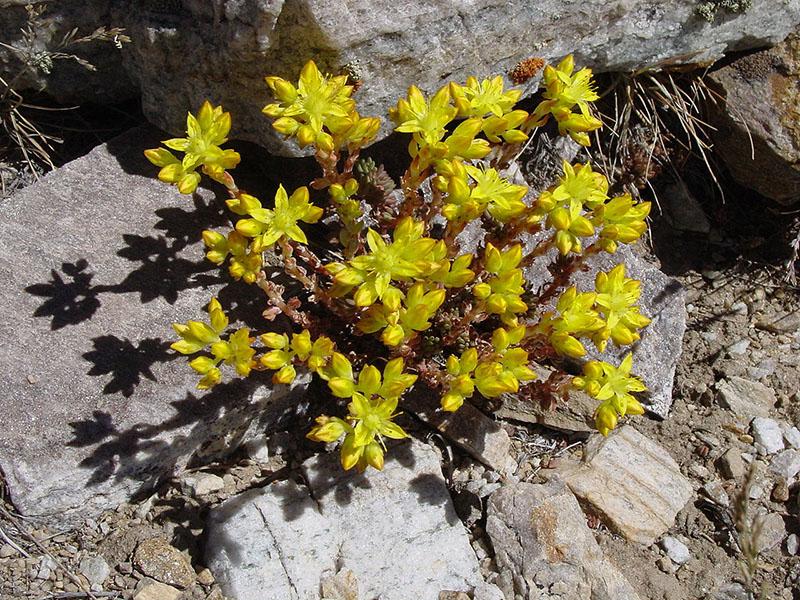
{"points": [[268, 226], [407, 257], [563, 91], [413, 315], [425, 119], [576, 318], [616, 301], [204, 136], [481, 98], [284, 353], [623, 221], [501, 295], [245, 261], [612, 386], [459, 383], [315, 103]]}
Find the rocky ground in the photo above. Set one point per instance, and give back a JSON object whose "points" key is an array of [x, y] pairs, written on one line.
{"points": [[732, 432]]}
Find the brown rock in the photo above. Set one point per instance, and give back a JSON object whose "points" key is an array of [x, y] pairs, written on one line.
{"points": [[342, 586], [156, 558], [153, 590], [761, 94], [632, 483]]}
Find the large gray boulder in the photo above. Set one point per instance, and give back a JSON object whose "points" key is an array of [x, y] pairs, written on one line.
{"points": [[98, 260], [396, 530], [186, 51]]}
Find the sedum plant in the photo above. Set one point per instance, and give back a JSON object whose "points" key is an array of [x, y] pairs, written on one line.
{"points": [[389, 299]]}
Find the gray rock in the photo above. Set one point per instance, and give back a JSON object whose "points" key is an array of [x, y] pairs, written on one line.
{"points": [[113, 408], [539, 533], [786, 464], [732, 591], [773, 530], [7, 551], [745, 398], [791, 435], [201, 484], [95, 569], [233, 45], [731, 464], [792, 544], [768, 433], [758, 111], [158, 559], [676, 550], [277, 542], [487, 591], [45, 567], [258, 449], [716, 492], [632, 483]]}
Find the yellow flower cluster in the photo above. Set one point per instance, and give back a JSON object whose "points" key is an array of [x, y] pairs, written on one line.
{"points": [[610, 312], [201, 147], [502, 293], [612, 386], [578, 206], [319, 110]]}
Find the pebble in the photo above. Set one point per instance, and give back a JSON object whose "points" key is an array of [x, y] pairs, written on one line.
{"points": [[707, 438], [46, 566], [792, 544], [7, 551], [666, 565], [792, 437], [780, 493], [157, 559], [258, 449], [739, 308], [201, 484], [205, 577], [731, 465], [699, 471], [767, 432], [717, 493], [154, 590], [786, 464], [739, 347], [95, 569], [676, 550], [773, 531]]}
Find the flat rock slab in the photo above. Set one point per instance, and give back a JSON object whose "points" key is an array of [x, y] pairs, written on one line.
{"points": [[539, 532], [395, 530], [98, 260], [387, 45], [632, 483]]}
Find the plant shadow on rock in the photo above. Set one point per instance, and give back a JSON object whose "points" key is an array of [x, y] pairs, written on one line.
{"points": [[127, 362], [141, 453]]}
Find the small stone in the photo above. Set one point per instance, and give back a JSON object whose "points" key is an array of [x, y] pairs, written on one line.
{"points": [[698, 471], [739, 347], [773, 530], [786, 464], [731, 465], [46, 566], [125, 568], [716, 492], [739, 308], [792, 437], [745, 398], [447, 595], [205, 577], [487, 591], [342, 586], [157, 559], [258, 449], [7, 551], [201, 484], [792, 544], [154, 590], [732, 591], [768, 434], [708, 439], [676, 550], [780, 492], [665, 565], [95, 569]]}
